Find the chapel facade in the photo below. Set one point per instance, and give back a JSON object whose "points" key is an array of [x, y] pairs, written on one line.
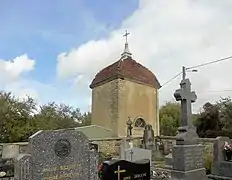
{"points": [[125, 89]]}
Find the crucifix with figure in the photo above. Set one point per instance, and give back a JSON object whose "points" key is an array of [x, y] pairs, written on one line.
{"points": [[119, 171]]}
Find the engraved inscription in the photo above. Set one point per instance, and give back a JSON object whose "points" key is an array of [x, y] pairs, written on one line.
{"points": [[226, 165], [135, 176], [61, 172], [193, 158], [225, 168]]}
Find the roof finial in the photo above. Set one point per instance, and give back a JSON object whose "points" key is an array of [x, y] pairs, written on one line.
{"points": [[126, 52]]}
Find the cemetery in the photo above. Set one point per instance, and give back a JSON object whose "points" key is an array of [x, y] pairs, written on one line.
{"points": [[69, 154]]}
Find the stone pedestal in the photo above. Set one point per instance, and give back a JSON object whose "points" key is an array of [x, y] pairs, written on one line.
{"points": [[188, 157], [188, 162]]}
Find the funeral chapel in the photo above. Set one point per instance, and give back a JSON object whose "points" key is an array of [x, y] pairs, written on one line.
{"points": [[125, 89]]}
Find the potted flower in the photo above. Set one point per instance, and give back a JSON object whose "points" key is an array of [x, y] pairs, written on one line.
{"points": [[228, 151], [100, 166]]}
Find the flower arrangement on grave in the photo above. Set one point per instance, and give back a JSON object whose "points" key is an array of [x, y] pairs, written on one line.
{"points": [[228, 151], [100, 166]]}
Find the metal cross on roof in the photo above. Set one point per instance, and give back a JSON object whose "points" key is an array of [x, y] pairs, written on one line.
{"points": [[125, 35], [126, 52]]}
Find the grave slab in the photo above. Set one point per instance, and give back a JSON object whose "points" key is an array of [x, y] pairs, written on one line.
{"points": [[136, 154]]}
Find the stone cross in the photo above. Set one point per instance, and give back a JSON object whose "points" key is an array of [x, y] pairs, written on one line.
{"points": [[119, 172], [186, 96]]}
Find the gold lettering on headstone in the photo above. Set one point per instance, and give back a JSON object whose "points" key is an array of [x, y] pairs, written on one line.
{"points": [[140, 175], [62, 171], [127, 178]]}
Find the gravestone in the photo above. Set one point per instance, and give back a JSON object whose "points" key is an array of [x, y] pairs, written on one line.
{"points": [[1, 149], [158, 151], [148, 137], [187, 154], [6, 170], [93, 164], [221, 169], [57, 154], [135, 154], [23, 167], [168, 161], [125, 170], [123, 146]]}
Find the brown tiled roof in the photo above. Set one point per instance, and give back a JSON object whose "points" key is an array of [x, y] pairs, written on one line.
{"points": [[126, 68]]}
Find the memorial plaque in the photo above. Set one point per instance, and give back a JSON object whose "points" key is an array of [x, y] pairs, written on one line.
{"points": [[62, 148]]}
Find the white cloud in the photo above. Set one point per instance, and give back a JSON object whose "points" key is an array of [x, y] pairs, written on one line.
{"points": [[165, 35], [11, 73], [11, 70]]}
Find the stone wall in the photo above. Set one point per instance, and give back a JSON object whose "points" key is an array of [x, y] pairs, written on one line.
{"points": [[105, 106], [115, 101], [170, 140], [111, 145], [136, 101]]}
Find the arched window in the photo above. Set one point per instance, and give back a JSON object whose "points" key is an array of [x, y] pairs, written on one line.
{"points": [[140, 123]]}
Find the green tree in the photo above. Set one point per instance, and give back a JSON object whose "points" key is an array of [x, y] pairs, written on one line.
{"points": [[216, 119], [208, 123], [56, 116], [86, 119], [225, 109], [170, 116], [15, 117], [19, 119]]}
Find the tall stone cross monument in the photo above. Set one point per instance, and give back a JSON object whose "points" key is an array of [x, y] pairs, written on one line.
{"points": [[188, 157], [187, 132]]}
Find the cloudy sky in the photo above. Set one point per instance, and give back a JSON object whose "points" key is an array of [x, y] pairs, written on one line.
{"points": [[51, 50]]}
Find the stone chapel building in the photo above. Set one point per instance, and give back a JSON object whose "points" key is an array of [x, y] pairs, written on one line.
{"points": [[125, 89]]}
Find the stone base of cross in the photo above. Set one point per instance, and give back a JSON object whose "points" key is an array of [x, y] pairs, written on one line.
{"points": [[187, 132], [187, 136]]}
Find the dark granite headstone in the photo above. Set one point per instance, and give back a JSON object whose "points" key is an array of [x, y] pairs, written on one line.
{"points": [[222, 169], [125, 170], [6, 171], [1, 148], [58, 154]]}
